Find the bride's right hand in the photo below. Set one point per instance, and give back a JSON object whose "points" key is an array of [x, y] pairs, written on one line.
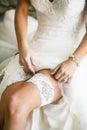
{"points": [[26, 60]]}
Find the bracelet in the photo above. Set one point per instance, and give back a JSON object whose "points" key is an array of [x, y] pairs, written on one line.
{"points": [[75, 59]]}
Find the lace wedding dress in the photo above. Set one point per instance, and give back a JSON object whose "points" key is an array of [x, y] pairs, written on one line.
{"points": [[60, 31]]}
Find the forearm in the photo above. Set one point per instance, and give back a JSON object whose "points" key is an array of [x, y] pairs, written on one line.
{"points": [[81, 51], [21, 17]]}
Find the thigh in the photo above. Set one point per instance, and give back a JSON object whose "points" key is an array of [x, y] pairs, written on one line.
{"points": [[27, 93], [6, 95], [23, 93]]}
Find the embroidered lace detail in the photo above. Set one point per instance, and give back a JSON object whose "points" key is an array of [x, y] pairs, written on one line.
{"points": [[45, 87]]}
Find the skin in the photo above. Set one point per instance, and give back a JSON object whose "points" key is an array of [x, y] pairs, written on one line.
{"points": [[66, 69], [17, 104]]}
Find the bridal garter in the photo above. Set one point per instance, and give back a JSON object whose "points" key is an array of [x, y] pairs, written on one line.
{"points": [[45, 87]]}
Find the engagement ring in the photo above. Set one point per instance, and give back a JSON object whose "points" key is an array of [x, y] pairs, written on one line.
{"points": [[65, 80]]}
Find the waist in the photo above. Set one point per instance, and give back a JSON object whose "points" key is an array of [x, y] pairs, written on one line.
{"points": [[50, 31]]}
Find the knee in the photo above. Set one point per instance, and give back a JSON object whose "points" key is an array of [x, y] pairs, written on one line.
{"points": [[13, 106]]}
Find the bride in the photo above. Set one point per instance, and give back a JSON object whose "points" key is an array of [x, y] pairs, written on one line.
{"points": [[45, 86]]}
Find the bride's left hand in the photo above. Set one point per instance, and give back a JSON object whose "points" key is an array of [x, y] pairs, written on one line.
{"points": [[64, 71]]}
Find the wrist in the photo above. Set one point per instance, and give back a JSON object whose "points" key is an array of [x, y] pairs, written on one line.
{"points": [[75, 59], [23, 45]]}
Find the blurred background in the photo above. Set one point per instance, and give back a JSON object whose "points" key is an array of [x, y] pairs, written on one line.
{"points": [[11, 4]]}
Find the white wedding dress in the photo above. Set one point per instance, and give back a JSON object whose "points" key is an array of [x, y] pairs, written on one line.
{"points": [[60, 31]]}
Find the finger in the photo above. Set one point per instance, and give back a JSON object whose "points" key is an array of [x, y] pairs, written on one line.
{"points": [[63, 78], [66, 79], [69, 80], [22, 64], [55, 70], [32, 61], [30, 67], [25, 65], [25, 68], [58, 74]]}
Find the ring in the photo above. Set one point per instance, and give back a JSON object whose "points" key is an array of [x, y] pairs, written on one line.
{"points": [[65, 80]]}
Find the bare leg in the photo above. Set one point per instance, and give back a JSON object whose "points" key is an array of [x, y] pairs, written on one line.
{"points": [[4, 99], [18, 103], [8, 92]]}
